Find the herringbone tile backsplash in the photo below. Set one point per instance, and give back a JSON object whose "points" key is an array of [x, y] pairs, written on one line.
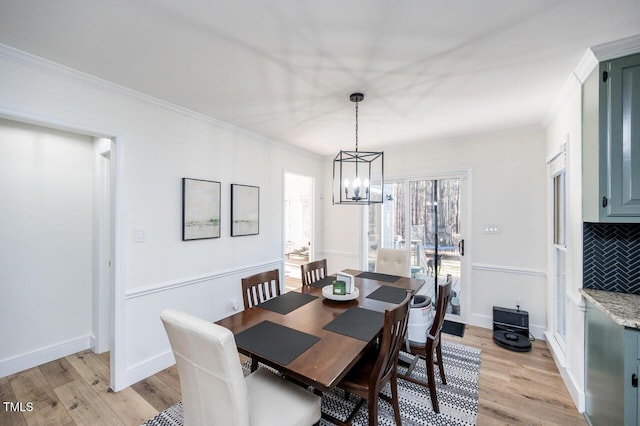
{"points": [[612, 257]]}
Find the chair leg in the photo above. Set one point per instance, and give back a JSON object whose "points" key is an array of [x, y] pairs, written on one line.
{"points": [[394, 398], [372, 403], [440, 363], [432, 382]]}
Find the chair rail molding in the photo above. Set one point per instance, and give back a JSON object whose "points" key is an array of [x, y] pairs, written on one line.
{"points": [[509, 269], [324, 253], [170, 285]]}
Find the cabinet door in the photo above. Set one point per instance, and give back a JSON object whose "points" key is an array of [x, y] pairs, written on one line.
{"points": [[622, 179], [604, 368], [631, 375], [636, 418]]}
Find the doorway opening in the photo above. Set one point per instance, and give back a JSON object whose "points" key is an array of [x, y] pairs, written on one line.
{"points": [[60, 235], [298, 226]]}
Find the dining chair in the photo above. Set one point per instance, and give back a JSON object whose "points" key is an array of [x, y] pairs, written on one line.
{"points": [[433, 344], [214, 391], [393, 262], [378, 366], [313, 271], [260, 287]]}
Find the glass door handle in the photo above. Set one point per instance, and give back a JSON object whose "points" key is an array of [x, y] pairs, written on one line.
{"points": [[461, 247]]}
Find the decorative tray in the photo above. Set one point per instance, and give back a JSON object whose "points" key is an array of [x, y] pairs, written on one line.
{"points": [[327, 292]]}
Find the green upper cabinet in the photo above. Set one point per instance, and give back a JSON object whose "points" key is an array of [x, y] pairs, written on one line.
{"points": [[621, 142], [611, 142]]}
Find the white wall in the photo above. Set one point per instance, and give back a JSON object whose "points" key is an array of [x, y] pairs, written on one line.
{"points": [[156, 145], [46, 242], [565, 126], [507, 179]]}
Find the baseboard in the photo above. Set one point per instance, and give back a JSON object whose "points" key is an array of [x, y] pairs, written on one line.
{"points": [[576, 393], [149, 367], [42, 356]]}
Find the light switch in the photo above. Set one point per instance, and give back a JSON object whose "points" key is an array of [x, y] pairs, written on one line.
{"points": [[138, 235], [491, 229]]}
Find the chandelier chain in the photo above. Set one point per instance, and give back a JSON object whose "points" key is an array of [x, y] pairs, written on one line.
{"points": [[356, 126]]}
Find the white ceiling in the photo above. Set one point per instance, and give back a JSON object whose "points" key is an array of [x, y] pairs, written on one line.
{"points": [[285, 68]]}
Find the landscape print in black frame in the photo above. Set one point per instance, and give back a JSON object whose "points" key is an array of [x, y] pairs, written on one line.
{"points": [[245, 210], [200, 209]]}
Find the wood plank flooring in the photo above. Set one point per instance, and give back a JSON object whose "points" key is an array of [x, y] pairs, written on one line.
{"points": [[515, 389]]}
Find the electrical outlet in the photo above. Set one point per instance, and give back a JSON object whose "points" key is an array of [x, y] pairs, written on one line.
{"points": [[235, 305]]}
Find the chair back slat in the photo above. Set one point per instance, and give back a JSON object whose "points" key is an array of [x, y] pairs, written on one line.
{"points": [[260, 287], [393, 332], [444, 297], [313, 271]]}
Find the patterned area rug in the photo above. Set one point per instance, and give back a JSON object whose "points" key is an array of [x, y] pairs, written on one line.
{"points": [[458, 399]]}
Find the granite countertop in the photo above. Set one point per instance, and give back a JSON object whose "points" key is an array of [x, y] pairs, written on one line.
{"points": [[622, 308]]}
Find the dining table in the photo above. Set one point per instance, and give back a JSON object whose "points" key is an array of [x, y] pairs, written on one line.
{"points": [[313, 339]]}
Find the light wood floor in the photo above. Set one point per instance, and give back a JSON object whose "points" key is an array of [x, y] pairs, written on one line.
{"points": [[515, 389]]}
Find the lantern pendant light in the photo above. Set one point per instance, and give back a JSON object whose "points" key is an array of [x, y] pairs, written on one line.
{"points": [[358, 176]]}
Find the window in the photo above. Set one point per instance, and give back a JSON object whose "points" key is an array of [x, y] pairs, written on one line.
{"points": [[560, 252], [558, 209]]}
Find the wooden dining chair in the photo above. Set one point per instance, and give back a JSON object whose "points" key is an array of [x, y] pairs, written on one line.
{"points": [[259, 288], [378, 366], [313, 271], [432, 346], [214, 389], [393, 262]]}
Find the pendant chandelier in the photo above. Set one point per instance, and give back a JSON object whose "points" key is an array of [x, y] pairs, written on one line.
{"points": [[358, 176]]}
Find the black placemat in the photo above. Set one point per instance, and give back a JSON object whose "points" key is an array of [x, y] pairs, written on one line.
{"points": [[275, 342], [357, 322], [324, 281], [388, 294], [287, 302], [378, 276]]}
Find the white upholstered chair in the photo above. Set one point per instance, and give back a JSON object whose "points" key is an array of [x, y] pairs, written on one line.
{"points": [[394, 262], [214, 391]]}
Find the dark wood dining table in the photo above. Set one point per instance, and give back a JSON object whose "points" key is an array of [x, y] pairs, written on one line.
{"points": [[328, 360]]}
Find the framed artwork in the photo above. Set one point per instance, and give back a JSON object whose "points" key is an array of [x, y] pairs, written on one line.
{"points": [[245, 210], [200, 209]]}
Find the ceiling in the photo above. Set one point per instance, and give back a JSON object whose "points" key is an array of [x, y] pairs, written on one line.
{"points": [[285, 68]]}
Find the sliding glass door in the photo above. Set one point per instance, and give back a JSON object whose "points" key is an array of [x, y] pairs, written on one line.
{"points": [[425, 217]]}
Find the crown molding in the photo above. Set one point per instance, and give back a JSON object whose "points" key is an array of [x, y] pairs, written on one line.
{"points": [[617, 49], [46, 66], [571, 85], [592, 57], [585, 67]]}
